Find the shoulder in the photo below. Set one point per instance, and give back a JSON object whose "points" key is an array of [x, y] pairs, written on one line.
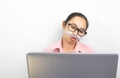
{"points": [[53, 47], [50, 48]]}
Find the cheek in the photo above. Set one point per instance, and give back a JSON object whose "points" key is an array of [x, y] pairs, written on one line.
{"points": [[65, 29]]}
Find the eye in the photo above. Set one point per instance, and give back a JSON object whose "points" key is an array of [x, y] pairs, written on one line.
{"points": [[73, 27], [69, 24], [82, 31]]}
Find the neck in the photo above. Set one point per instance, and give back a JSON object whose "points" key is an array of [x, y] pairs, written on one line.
{"points": [[68, 47]]}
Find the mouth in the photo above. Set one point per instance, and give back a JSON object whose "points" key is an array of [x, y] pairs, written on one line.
{"points": [[73, 38]]}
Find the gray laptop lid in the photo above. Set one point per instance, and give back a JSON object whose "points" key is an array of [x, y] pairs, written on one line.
{"points": [[51, 65]]}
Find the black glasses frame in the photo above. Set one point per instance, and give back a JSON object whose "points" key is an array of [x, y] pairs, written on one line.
{"points": [[78, 30]]}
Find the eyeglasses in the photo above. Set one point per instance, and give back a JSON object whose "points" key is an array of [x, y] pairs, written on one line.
{"points": [[73, 27]]}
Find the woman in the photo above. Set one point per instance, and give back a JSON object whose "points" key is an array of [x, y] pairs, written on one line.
{"points": [[74, 27]]}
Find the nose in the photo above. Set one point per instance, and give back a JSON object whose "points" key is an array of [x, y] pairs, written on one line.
{"points": [[75, 32]]}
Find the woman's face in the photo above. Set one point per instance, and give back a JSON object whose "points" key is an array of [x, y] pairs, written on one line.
{"points": [[76, 23]]}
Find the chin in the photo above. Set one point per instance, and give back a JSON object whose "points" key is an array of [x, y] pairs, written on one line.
{"points": [[73, 42]]}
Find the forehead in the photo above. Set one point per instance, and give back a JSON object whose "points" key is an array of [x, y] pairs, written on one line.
{"points": [[79, 21]]}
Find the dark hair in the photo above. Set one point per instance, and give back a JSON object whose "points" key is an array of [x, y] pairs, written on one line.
{"points": [[74, 14]]}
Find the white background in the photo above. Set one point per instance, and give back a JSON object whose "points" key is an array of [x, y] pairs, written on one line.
{"points": [[31, 25]]}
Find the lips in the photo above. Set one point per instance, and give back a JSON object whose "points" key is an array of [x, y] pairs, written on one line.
{"points": [[73, 38]]}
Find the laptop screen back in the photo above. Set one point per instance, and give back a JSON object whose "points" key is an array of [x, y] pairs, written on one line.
{"points": [[51, 65]]}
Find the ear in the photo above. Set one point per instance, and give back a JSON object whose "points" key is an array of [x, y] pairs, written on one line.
{"points": [[63, 24]]}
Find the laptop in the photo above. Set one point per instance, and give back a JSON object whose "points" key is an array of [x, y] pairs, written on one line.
{"points": [[58, 65]]}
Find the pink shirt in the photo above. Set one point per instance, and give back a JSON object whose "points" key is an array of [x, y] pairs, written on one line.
{"points": [[79, 48]]}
